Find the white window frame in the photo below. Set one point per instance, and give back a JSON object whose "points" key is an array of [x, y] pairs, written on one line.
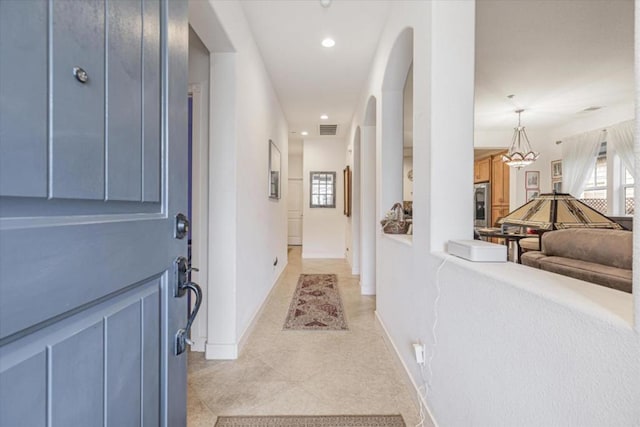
{"points": [[622, 196], [605, 187]]}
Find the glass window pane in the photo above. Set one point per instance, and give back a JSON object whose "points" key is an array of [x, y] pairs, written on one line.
{"points": [[628, 178], [601, 172], [322, 189], [629, 201]]}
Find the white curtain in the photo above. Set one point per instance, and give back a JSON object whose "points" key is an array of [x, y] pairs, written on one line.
{"points": [[579, 154], [621, 137]]}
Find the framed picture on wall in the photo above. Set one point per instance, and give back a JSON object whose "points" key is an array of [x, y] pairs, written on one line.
{"points": [[274, 171], [346, 173], [556, 170], [557, 186], [531, 194], [532, 180]]}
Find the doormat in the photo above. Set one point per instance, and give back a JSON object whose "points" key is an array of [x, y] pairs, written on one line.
{"points": [[316, 305], [313, 421]]}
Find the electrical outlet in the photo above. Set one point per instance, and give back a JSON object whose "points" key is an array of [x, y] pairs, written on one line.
{"points": [[419, 350]]}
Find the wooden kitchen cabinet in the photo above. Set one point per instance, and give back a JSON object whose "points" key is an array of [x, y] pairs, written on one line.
{"points": [[498, 212], [499, 188], [499, 181], [482, 170]]}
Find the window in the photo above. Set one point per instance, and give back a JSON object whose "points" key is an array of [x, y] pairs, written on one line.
{"points": [[595, 191], [323, 190], [627, 192]]}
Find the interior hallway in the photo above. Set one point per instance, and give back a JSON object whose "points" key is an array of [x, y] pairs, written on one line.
{"points": [[304, 372]]}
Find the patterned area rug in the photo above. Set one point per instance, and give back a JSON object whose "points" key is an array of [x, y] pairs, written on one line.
{"points": [[316, 304], [313, 421]]}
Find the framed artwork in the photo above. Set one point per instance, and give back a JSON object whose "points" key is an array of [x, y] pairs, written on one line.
{"points": [[531, 194], [532, 180], [346, 173], [557, 186], [556, 170], [274, 171]]}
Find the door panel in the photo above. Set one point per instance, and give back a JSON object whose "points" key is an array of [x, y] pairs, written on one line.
{"points": [[122, 329], [28, 380], [150, 388], [295, 212], [23, 102], [151, 107], [77, 366], [124, 60], [77, 149], [88, 316], [74, 265]]}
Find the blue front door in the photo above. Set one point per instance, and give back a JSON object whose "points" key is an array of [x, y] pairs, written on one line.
{"points": [[93, 171]]}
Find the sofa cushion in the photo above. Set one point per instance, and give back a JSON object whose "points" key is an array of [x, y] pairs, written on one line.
{"points": [[532, 258], [530, 243], [601, 246], [611, 277]]}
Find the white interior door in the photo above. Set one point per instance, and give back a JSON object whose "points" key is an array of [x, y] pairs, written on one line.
{"points": [[93, 170], [295, 211]]}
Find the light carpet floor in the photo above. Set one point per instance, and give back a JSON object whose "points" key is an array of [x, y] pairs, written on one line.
{"points": [[304, 372]]}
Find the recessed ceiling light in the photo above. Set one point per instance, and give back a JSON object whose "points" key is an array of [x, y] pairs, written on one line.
{"points": [[594, 108], [324, 117], [304, 133], [328, 42]]}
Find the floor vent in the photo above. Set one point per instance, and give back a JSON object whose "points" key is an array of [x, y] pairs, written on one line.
{"points": [[328, 130]]}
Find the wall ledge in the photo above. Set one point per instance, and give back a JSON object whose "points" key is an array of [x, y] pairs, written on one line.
{"points": [[406, 239], [608, 305]]}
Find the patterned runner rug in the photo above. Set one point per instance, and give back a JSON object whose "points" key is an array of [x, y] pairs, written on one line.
{"points": [[316, 304], [313, 421]]}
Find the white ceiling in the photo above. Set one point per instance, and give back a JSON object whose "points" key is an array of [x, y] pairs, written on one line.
{"points": [[309, 79], [557, 57]]}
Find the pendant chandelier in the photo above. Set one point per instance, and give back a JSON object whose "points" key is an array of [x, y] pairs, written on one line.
{"points": [[520, 153]]}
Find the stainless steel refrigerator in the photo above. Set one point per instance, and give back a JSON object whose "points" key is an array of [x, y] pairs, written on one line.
{"points": [[482, 204]]}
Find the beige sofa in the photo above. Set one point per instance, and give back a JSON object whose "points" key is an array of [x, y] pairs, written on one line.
{"points": [[598, 256]]}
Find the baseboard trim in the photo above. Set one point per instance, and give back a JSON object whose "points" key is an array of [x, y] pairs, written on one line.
{"points": [[322, 255], [221, 351], [403, 368], [199, 344], [367, 289], [254, 319]]}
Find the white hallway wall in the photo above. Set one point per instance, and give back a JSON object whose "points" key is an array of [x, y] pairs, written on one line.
{"points": [[295, 166], [323, 229], [514, 346], [248, 230]]}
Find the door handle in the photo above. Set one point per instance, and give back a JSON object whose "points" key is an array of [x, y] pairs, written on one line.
{"points": [[183, 285]]}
